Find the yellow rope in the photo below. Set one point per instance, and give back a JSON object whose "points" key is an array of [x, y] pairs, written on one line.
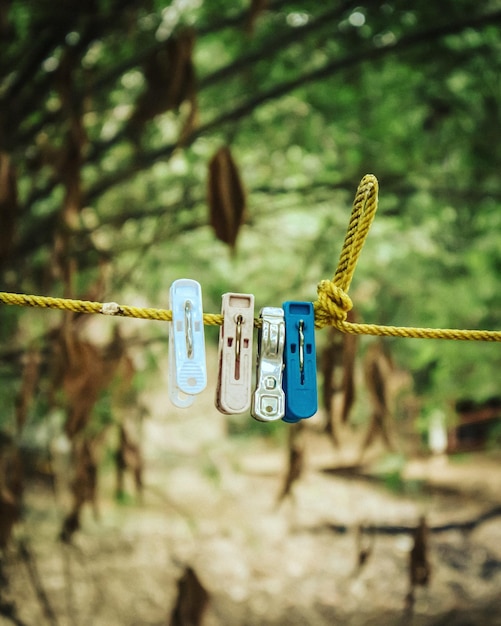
{"points": [[106, 308], [331, 306], [333, 303]]}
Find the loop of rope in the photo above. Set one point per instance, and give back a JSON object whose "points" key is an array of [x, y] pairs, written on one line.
{"points": [[333, 303], [331, 306]]}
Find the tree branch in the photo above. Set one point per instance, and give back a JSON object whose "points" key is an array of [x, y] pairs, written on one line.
{"points": [[368, 55], [402, 529]]}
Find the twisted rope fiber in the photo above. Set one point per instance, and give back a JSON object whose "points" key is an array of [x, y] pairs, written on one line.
{"points": [[334, 303], [331, 307], [86, 306]]}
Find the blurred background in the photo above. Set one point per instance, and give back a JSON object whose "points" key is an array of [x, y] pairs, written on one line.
{"points": [[142, 141]]}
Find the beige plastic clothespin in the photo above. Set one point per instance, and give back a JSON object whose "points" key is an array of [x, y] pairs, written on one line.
{"points": [[233, 391]]}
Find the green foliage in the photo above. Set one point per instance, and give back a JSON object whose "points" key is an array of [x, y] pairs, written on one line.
{"points": [[314, 97], [390, 471]]}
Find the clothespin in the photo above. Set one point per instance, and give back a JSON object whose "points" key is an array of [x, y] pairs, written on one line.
{"points": [[187, 367], [268, 401], [300, 372], [233, 391]]}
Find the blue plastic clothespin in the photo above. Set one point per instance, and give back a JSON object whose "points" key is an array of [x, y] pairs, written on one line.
{"points": [[300, 372], [187, 367]]}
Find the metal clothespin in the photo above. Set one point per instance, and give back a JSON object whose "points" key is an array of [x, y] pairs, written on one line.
{"points": [[187, 367], [268, 401], [233, 391], [300, 372]]}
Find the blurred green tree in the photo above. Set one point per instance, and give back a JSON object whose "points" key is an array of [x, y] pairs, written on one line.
{"points": [[110, 113]]}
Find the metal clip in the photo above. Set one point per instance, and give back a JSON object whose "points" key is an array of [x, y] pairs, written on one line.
{"points": [[268, 401], [187, 367], [300, 372], [233, 391]]}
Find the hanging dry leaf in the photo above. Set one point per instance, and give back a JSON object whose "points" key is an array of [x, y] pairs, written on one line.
{"points": [[338, 373], [226, 197], [419, 565], [6, 29], [64, 82], [29, 379], [82, 384], [70, 171], [85, 481], [378, 368], [83, 371], [170, 80], [365, 545], [257, 7], [330, 363], [349, 354], [8, 207], [128, 458], [192, 601], [37, 581], [11, 488], [68, 166], [384, 383], [84, 484], [295, 461], [71, 160]]}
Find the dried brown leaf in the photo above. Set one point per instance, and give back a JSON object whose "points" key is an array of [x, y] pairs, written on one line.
{"points": [[419, 566], [378, 370], [365, 546], [85, 481], [128, 458], [29, 380], [11, 488], [226, 197], [338, 373], [6, 28], [295, 460], [8, 207], [170, 80], [350, 343], [192, 601], [83, 371], [84, 484], [63, 81], [82, 384], [257, 7], [71, 161], [70, 525]]}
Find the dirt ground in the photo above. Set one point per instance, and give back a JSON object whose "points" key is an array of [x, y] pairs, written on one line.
{"points": [[210, 501]]}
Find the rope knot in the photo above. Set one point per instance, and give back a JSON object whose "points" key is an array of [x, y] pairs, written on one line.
{"points": [[332, 305]]}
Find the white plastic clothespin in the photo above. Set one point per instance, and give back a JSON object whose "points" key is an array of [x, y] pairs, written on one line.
{"points": [[268, 401], [187, 366], [233, 392]]}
